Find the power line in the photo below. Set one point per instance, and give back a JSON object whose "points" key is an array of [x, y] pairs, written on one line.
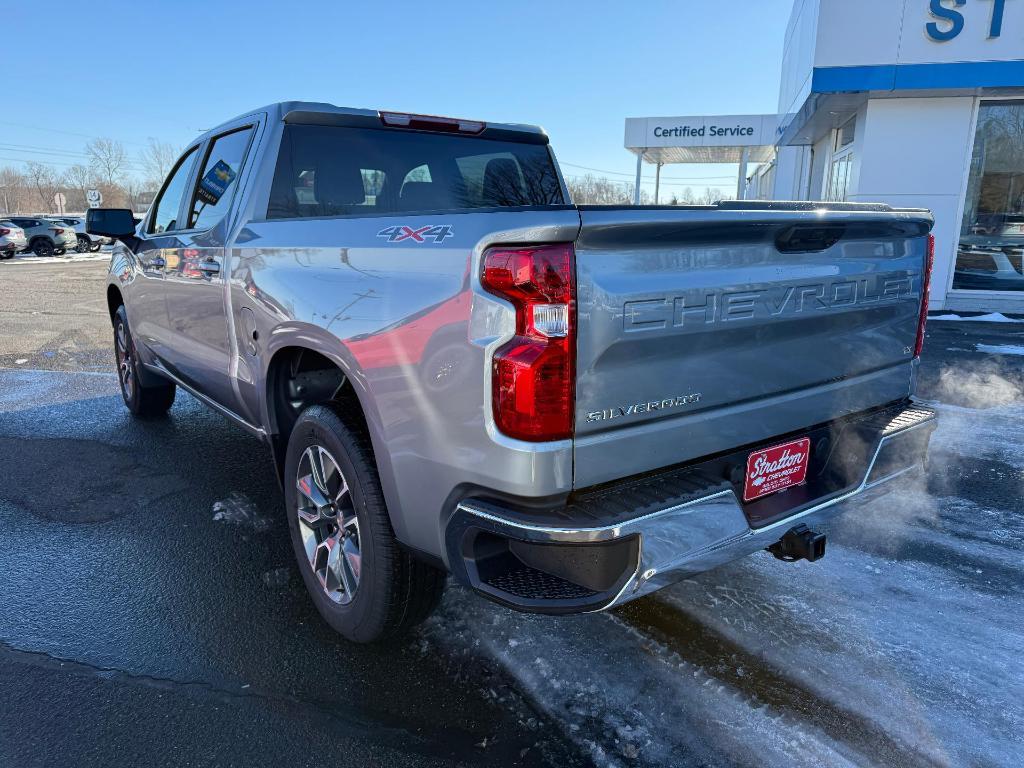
{"points": [[67, 133], [631, 175], [56, 153]]}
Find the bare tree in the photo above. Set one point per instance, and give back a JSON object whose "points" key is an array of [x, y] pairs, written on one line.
{"points": [[79, 178], [45, 182], [107, 158], [14, 189], [157, 159], [710, 196], [594, 190]]}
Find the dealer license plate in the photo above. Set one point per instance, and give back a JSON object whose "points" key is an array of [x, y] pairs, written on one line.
{"points": [[777, 468]]}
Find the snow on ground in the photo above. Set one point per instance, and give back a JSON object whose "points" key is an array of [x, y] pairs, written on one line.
{"points": [[992, 317], [1000, 349], [28, 258], [903, 647]]}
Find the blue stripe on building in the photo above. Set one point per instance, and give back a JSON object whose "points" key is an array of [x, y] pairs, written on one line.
{"points": [[898, 77]]}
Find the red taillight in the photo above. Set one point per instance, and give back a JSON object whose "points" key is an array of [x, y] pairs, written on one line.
{"points": [[4, 231], [431, 123], [926, 284], [57, 230], [533, 375]]}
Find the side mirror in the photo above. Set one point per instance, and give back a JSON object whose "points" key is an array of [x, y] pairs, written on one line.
{"points": [[110, 222]]}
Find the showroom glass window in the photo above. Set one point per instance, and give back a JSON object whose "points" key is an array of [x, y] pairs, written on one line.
{"points": [[991, 249], [840, 172]]}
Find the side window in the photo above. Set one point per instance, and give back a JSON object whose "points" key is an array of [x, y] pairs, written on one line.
{"points": [[218, 178], [165, 208]]}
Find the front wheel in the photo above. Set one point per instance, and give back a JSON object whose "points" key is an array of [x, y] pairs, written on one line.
{"points": [[94, 247], [82, 246], [362, 582], [142, 400]]}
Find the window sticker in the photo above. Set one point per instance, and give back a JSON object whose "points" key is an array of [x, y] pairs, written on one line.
{"points": [[215, 183]]}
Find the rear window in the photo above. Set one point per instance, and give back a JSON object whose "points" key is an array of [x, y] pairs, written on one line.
{"points": [[337, 171]]}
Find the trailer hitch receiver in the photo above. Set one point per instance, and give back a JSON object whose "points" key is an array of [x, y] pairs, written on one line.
{"points": [[799, 543]]}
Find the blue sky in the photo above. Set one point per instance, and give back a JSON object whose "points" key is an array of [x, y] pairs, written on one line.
{"points": [[130, 70]]}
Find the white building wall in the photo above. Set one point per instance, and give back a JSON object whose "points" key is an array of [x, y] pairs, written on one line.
{"points": [[871, 32], [792, 172], [915, 152], [798, 55]]}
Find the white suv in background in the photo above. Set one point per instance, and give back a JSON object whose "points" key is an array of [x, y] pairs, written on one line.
{"points": [[86, 242], [12, 239], [45, 237]]}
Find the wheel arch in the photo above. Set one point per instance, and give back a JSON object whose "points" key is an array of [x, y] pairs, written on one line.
{"points": [[114, 300], [299, 375]]}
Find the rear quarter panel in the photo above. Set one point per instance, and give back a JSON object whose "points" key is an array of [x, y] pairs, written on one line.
{"points": [[410, 326]]}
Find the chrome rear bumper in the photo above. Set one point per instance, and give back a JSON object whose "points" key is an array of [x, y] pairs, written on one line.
{"points": [[697, 534]]}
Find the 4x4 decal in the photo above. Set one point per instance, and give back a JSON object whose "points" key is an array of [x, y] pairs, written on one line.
{"points": [[436, 232]]}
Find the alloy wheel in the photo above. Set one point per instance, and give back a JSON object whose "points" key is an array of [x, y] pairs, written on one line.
{"points": [[328, 524], [125, 363]]}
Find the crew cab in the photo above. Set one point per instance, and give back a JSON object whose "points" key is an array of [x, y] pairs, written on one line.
{"points": [[458, 371]]}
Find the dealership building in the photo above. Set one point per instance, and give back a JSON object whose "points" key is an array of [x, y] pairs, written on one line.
{"points": [[915, 103]]}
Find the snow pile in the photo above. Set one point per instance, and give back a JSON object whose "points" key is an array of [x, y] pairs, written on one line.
{"points": [[1000, 349], [992, 317]]}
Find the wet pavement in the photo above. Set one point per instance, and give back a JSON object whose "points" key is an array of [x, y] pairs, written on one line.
{"points": [[151, 613], [148, 578]]}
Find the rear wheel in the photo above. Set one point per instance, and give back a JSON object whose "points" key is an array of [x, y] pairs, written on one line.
{"points": [[42, 247], [361, 581], [142, 400], [83, 244]]}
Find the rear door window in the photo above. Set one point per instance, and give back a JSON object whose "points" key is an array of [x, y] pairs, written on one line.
{"points": [[338, 171], [218, 178]]}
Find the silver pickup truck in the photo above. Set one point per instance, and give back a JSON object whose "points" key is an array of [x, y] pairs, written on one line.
{"points": [[459, 371]]}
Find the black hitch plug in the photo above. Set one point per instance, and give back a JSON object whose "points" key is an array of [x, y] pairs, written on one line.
{"points": [[800, 543]]}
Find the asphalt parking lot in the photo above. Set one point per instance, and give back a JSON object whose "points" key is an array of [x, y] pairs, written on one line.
{"points": [[150, 612]]}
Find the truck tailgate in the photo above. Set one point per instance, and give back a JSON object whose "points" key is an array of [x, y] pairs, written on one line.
{"points": [[702, 330]]}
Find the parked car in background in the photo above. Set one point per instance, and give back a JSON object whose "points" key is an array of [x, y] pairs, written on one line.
{"points": [[86, 242], [12, 239], [45, 237], [1000, 225]]}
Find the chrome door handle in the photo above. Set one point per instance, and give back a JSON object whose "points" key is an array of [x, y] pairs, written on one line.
{"points": [[209, 266]]}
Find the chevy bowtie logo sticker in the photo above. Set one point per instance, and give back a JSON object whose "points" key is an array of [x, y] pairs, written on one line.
{"points": [[436, 233]]}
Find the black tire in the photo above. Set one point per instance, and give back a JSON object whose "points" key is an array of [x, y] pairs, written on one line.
{"points": [[42, 247], [394, 591], [142, 400], [83, 244], [94, 247], [60, 251]]}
